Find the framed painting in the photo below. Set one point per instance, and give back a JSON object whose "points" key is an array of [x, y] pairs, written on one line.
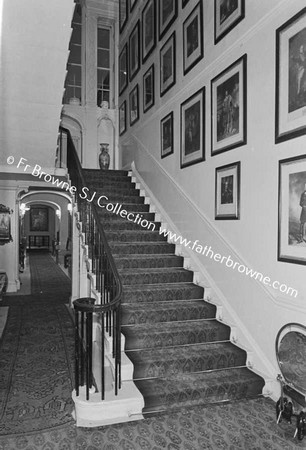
{"points": [[39, 220], [167, 13], [167, 65], [229, 107], [228, 13], [123, 69], [134, 53], [132, 4], [193, 129], [290, 102], [227, 192], [122, 118], [193, 38], [166, 135], [134, 105], [123, 14], [5, 224], [148, 29], [148, 89], [292, 210]]}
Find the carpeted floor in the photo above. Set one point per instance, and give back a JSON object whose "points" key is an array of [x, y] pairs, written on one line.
{"points": [[36, 354]]}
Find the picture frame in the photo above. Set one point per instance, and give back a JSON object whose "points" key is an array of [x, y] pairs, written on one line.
{"points": [[5, 225], [184, 3], [148, 89], [229, 107], [227, 16], [166, 135], [123, 14], [123, 69], [39, 220], [134, 51], [167, 65], [292, 210], [134, 105], [122, 118], [148, 29], [193, 38], [290, 83], [132, 4], [167, 13], [193, 129], [227, 192]]}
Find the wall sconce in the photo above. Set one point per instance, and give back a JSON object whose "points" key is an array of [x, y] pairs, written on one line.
{"points": [[58, 213], [69, 208]]}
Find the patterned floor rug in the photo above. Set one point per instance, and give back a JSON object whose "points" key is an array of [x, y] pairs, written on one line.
{"points": [[243, 425]]}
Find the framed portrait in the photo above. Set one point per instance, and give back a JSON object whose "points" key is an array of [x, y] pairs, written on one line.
{"points": [[123, 14], [122, 118], [148, 29], [148, 89], [132, 4], [193, 38], [134, 53], [167, 65], [134, 105], [167, 13], [193, 129], [123, 69], [5, 224], [228, 13], [227, 192], [290, 102], [39, 220], [292, 210], [166, 135], [229, 107]]}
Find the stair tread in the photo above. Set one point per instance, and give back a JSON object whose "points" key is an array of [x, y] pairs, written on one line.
{"points": [[174, 326], [153, 270], [163, 286], [168, 305], [180, 351]]}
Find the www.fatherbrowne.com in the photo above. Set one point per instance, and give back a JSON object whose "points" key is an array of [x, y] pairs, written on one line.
{"points": [[140, 220]]}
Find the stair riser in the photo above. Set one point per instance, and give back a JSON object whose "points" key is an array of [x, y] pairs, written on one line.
{"points": [[144, 295], [149, 262], [134, 236], [202, 396], [136, 339], [106, 216], [132, 200], [89, 173], [174, 314], [201, 363], [141, 248], [118, 207], [126, 225], [156, 278]]}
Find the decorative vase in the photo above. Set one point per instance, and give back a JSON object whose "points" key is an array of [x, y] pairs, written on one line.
{"points": [[104, 158]]}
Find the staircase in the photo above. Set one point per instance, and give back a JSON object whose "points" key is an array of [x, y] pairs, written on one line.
{"points": [[182, 355]]}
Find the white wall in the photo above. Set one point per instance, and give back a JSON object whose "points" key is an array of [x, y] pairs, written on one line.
{"points": [[188, 195], [34, 52]]}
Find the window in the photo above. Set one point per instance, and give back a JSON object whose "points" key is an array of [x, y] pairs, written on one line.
{"points": [[103, 65], [74, 66]]}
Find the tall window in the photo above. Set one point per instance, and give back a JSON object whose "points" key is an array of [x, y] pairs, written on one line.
{"points": [[103, 65], [74, 66]]}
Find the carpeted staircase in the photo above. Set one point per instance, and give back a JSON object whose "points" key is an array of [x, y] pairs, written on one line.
{"points": [[182, 355]]}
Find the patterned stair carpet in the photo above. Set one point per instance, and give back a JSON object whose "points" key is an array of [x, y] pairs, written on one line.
{"points": [[36, 354], [182, 355]]}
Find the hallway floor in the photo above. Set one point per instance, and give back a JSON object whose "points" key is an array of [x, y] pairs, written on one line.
{"points": [[242, 425]]}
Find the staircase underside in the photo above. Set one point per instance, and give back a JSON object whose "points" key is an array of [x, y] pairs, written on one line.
{"points": [[182, 355]]}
